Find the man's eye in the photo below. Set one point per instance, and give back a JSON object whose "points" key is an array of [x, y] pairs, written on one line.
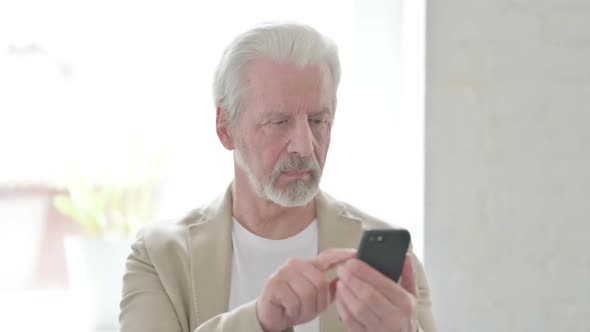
{"points": [[279, 122], [316, 121]]}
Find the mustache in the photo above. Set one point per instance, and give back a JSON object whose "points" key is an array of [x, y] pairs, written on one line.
{"points": [[305, 163]]}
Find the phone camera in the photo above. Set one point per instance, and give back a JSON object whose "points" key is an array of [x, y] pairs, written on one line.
{"points": [[377, 238]]}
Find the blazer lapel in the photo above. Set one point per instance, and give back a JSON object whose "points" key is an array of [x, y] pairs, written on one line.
{"points": [[211, 254], [336, 229]]}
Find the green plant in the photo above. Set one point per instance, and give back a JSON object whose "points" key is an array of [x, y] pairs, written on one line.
{"points": [[119, 203]]}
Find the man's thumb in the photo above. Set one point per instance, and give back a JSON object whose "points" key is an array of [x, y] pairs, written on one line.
{"points": [[408, 277]]}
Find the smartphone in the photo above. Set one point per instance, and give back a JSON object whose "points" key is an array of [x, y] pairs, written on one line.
{"points": [[385, 250]]}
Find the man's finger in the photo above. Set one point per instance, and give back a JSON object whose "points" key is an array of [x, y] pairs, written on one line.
{"points": [[374, 298], [351, 322], [318, 279], [364, 312], [408, 277], [333, 286], [328, 259], [391, 290]]}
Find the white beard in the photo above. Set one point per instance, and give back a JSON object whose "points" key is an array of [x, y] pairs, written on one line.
{"points": [[297, 193]]}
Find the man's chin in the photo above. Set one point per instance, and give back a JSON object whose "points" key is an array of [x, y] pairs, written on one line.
{"points": [[296, 193], [298, 186]]}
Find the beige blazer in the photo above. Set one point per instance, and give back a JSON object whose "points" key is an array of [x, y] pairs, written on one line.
{"points": [[178, 274]]}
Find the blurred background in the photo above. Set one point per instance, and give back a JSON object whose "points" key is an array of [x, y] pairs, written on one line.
{"points": [[466, 122]]}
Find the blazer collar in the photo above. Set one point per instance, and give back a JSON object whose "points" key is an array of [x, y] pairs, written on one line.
{"points": [[211, 251]]}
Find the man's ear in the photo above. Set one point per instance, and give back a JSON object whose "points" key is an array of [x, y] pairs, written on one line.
{"points": [[223, 132]]}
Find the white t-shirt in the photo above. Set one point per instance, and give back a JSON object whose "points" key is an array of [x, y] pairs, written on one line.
{"points": [[255, 258]]}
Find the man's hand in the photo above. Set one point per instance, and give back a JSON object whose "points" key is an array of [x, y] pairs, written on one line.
{"points": [[298, 291], [367, 300]]}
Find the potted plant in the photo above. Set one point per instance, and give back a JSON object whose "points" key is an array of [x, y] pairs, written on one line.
{"points": [[110, 211]]}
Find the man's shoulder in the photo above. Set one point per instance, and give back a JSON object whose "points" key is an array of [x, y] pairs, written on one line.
{"points": [[367, 220], [171, 233], [352, 212], [178, 226]]}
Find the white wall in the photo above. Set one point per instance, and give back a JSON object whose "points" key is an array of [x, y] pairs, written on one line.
{"points": [[376, 159], [507, 232]]}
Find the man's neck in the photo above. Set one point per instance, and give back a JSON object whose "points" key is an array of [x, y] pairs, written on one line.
{"points": [[268, 219]]}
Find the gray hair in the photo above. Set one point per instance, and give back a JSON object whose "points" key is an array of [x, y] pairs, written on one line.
{"points": [[299, 44]]}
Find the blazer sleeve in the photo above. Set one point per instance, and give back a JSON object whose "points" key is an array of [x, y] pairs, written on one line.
{"points": [[425, 317], [147, 307]]}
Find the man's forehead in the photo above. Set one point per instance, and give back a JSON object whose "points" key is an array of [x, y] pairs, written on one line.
{"points": [[287, 111], [271, 72], [277, 82]]}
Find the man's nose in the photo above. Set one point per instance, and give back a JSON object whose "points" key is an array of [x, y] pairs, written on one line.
{"points": [[301, 139]]}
